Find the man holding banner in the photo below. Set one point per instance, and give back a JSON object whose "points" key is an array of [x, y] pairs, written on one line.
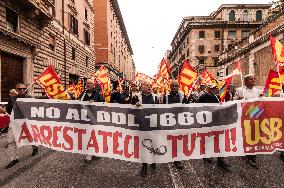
{"points": [[92, 95], [175, 97], [210, 97], [12, 148], [248, 91], [146, 97]]}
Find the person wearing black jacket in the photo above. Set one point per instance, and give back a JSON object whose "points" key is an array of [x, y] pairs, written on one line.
{"points": [[116, 96], [93, 95], [175, 97], [12, 148], [146, 97], [210, 97]]}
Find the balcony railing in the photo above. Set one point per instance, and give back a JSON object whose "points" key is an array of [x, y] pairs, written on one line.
{"points": [[40, 10]]}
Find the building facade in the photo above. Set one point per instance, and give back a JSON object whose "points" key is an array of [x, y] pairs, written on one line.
{"points": [[35, 34], [201, 39], [254, 53], [112, 45]]}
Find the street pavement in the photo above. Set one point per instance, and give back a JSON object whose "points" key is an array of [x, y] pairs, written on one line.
{"points": [[58, 169]]}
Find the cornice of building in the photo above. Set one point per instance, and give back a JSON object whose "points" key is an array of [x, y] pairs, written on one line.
{"points": [[246, 46], [116, 9], [240, 6], [213, 14], [210, 24], [90, 3], [20, 38]]}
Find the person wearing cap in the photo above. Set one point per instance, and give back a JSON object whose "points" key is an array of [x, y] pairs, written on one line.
{"points": [[248, 91], [210, 97]]}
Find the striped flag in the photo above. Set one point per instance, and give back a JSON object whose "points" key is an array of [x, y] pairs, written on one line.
{"points": [[187, 77], [102, 75], [277, 50], [80, 86], [51, 84], [272, 85], [163, 77], [139, 77], [223, 88], [208, 79]]}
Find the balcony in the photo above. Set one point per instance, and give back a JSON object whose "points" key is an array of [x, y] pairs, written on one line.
{"points": [[40, 10]]}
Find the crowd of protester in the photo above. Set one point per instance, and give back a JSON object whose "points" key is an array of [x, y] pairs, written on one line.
{"points": [[139, 95]]}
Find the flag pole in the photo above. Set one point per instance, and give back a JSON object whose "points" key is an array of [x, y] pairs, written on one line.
{"points": [[280, 80], [242, 81], [29, 86]]}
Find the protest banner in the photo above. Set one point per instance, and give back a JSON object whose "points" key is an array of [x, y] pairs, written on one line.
{"points": [[151, 133]]}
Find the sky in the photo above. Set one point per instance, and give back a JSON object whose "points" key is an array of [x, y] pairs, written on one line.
{"points": [[152, 24]]}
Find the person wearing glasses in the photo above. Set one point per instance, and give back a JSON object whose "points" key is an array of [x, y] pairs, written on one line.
{"points": [[12, 148], [91, 94]]}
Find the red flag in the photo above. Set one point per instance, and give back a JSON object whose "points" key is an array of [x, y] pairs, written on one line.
{"points": [[80, 86], [187, 77], [163, 77], [277, 50], [51, 84], [272, 85], [209, 79]]}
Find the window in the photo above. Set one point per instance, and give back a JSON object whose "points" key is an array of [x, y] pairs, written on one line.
{"points": [[232, 16], [258, 15], [187, 53], [201, 49], [179, 51], [227, 71], [73, 78], [232, 34], [231, 46], [217, 48], [187, 40], [201, 61], [72, 1], [215, 60], [87, 37], [73, 25], [86, 13], [51, 42], [245, 33], [245, 15], [12, 20], [87, 61], [217, 34], [183, 57], [53, 8], [201, 34], [73, 53]]}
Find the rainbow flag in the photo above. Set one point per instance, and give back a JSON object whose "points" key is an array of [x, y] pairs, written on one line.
{"points": [[223, 88]]}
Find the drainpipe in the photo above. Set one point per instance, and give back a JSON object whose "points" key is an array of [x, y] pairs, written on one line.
{"points": [[64, 46]]}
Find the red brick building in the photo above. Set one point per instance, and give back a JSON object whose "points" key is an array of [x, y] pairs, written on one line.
{"points": [[112, 45]]}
